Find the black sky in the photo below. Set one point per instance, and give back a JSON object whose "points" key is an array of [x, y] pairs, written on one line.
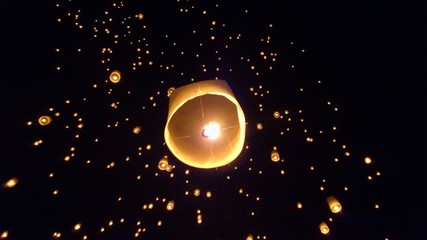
{"points": [[370, 56]]}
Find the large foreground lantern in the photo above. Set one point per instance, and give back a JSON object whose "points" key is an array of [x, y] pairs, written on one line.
{"points": [[206, 125]]}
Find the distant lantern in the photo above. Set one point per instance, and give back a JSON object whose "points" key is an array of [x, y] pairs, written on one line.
{"points": [[275, 157], [259, 126], [324, 229], [368, 160], [137, 129], [11, 183], [170, 205], [115, 76], [163, 163], [170, 91], [206, 125], [140, 16], [196, 192], [334, 204], [169, 168], [77, 226], [276, 114], [44, 120]]}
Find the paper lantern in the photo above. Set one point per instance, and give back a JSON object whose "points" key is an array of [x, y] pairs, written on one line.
{"points": [[163, 163], [334, 204], [206, 125], [324, 229], [275, 157], [44, 120], [115, 76]]}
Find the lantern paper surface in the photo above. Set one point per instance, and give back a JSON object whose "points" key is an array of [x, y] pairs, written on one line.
{"points": [[206, 125]]}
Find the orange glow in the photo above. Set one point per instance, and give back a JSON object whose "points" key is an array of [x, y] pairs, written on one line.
{"points": [[77, 227], [115, 76], [324, 229], [211, 131], [136, 129], [334, 204], [163, 163], [275, 157], [11, 183], [170, 205], [4, 234], [44, 120], [170, 91], [199, 113]]}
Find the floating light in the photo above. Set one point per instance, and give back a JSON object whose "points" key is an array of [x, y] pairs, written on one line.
{"points": [[136, 129], [334, 204], [170, 91], [211, 131], [170, 205], [324, 229], [11, 183], [115, 76], [163, 163], [206, 125], [44, 120]]}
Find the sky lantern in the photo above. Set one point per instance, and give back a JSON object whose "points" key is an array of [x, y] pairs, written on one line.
{"points": [[136, 130], [334, 204], [11, 183], [115, 76], [163, 163], [324, 229], [206, 125], [170, 205], [275, 156], [170, 91], [44, 120]]}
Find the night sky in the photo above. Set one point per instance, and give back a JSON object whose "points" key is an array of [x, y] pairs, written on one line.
{"points": [[336, 86]]}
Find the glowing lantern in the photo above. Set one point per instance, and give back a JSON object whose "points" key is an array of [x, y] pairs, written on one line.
{"points": [[136, 129], [11, 183], [170, 91], [276, 114], [324, 229], [77, 226], [140, 16], [163, 163], [170, 205], [169, 168], [206, 125], [115, 76], [275, 157], [259, 126], [44, 120], [196, 192], [334, 205], [4, 234]]}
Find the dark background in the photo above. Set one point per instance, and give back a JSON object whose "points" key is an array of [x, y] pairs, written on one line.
{"points": [[371, 54]]}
